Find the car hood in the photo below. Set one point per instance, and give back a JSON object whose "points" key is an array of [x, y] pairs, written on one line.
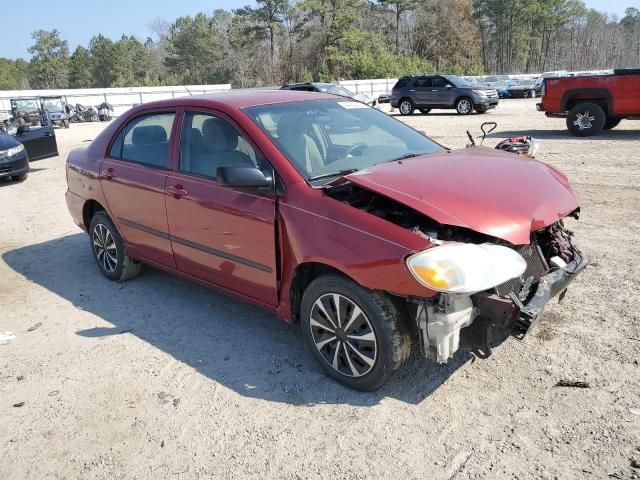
{"points": [[486, 190], [7, 141]]}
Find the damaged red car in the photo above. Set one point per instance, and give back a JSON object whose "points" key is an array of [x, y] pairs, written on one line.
{"points": [[332, 214]]}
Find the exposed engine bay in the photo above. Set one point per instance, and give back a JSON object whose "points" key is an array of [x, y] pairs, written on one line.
{"points": [[479, 321]]}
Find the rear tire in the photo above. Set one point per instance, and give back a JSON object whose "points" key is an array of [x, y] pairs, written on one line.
{"points": [[65, 123], [586, 119], [19, 178], [464, 106], [406, 106], [611, 123], [360, 338], [108, 250]]}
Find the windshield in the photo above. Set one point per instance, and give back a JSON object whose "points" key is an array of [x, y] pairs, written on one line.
{"points": [[335, 90], [26, 105], [52, 104], [326, 137], [459, 82]]}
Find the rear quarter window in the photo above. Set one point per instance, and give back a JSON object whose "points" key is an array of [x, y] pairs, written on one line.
{"points": [[403, 82]]}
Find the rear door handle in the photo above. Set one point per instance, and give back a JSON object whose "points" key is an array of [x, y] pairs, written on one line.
{"points": [[48, 134], [109, 173], [412, 90], [177, 191]]}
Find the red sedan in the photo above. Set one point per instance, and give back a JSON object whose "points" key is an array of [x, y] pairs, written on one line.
{"points": [[332, 214]]}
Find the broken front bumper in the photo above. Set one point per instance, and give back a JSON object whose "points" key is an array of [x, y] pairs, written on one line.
{"points": [[501, 317], [482, 321]]}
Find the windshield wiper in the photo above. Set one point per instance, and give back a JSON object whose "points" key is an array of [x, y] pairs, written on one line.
{"points": [[339, 173], [405, 156]]}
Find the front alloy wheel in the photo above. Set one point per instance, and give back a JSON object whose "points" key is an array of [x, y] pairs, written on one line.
{"points": [[464, 106], [343, 335], [360, 337]]}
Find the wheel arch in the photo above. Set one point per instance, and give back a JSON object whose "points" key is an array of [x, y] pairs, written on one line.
{"points": [[599, 96], [303, 275], [89, 209]]}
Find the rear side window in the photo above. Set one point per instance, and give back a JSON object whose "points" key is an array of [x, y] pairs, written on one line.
{"points": [[145, 140], [423, 82], [439, 82], [403, 82]]}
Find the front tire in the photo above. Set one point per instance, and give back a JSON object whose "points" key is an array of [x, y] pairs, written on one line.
{"points": [[406, 107], [359, 337], [65, 123], [19, 178], [108, 250], [464, 106], [425, 111], [586, 119], [481, 110]]}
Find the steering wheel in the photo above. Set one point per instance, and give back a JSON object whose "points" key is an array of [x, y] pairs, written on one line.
{"points": [[354, 149]]}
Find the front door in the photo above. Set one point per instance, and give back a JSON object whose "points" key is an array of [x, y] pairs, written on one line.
{"points": [[440, 92], [219, 234], [133, 179], [39, 142]]}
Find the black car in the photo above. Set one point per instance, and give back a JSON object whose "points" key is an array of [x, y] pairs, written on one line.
{"points": [[425, 92], [20, 145], [14, 161]]}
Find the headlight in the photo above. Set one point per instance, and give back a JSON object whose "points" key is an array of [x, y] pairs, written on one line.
{"points": [[465, 267], [12, 151], [482, 93]]}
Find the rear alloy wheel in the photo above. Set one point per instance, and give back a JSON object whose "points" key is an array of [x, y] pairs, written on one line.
{"points": [[359, 338], [586, 119], [425, 111], [406, 107], [532, 93], [464, 106], [108, 250], [611, 123]]}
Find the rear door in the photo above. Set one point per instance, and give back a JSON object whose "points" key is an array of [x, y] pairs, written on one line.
{"points": [[420, 90], [39, 142], [220, 234], [133, 178]]}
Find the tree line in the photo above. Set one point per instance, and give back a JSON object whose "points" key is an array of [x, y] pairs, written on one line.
{"points": [[279, 41]]}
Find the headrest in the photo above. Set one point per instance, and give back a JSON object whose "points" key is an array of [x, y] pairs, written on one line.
{"points": [[149, 135], [292, 124], [219, 135]]}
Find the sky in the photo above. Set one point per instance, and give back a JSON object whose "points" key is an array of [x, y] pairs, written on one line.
{"points": [[79, 20]]}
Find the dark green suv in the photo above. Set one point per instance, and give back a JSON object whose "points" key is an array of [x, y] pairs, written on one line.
{"points": [[425, 92]]}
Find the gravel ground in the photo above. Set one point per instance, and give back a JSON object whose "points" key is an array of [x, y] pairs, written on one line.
{"points": [[159, 378]]}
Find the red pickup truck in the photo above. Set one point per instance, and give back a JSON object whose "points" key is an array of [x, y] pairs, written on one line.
{"points": [[591, 104]]}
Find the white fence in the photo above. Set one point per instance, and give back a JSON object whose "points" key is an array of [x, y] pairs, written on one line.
{"points": [[120, 98]]}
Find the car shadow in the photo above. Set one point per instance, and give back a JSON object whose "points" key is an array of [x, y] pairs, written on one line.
{"points": [[231, 342]]}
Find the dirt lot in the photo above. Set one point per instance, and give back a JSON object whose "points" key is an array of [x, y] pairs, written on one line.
{"points": [[158, 378]]}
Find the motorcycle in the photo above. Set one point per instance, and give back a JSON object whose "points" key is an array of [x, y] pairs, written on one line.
{"points": [[104, 112], [83, 114], [522, 145]]}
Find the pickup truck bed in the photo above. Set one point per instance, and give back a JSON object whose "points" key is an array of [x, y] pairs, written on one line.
{"points": [[591, 104]]}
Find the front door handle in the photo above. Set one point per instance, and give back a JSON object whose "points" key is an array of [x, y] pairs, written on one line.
{"points": [[177, 191], [109, 173], [48, 134]]}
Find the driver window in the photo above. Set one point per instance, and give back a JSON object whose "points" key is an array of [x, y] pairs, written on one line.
{"points": [[210, 142]]}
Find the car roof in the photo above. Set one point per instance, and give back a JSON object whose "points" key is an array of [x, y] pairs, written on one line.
{"points": [[237, 99]]}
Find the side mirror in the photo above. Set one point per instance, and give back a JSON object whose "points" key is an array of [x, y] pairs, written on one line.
{"points": [[242, 177], [22, 129]]}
